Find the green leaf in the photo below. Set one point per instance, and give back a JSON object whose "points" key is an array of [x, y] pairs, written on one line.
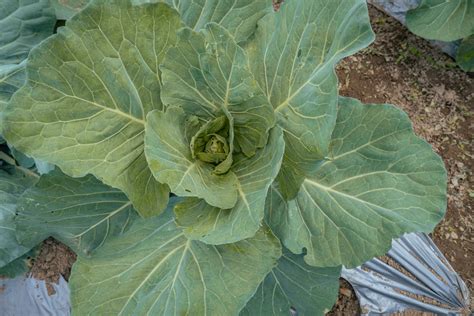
{"points": [[380, 181], [22, 159], [65, 9], [254, 175], [20, 265], [465, 54], [23, 24], [207, 72], [443, 20], [240, 17], [83, 213], [205, 75], [169, 155], [12, 77], [89, 89], [293, 283], [13, 183], [293, 55], [214, 143], [153, 269]]}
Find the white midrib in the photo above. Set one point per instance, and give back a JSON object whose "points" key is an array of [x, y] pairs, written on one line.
{"points": [[104, 219], [330, 61], [352, 197], [171, 253], [128, 116]]}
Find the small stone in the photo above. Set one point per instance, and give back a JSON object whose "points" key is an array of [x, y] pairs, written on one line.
{"points": [[454, 235], [346, 292], [49, 257]]}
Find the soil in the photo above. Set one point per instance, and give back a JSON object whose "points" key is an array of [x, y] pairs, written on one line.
{"points": [[347, 303], [404, 70], [54, 260]]}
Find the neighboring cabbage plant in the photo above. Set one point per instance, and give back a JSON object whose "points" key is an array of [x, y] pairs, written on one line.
{"points": [[446, 20], [275, 180]]}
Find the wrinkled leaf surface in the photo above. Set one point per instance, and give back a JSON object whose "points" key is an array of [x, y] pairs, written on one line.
{"points": [[153, 269], [83, 213], [443, 20], [379, 182], [293, 55], [89, 89], [294, 284]]}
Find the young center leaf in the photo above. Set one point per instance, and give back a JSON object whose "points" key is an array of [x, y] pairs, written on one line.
{"points": [[294, 284], [13, 182], [171, 161], [379, 181], [154, 269], [215, 225], [83, 212], [212, 142], [443, 20], [89, 89], [293, 55]]}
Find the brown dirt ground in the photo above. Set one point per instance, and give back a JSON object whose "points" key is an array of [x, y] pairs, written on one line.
{"points": [[55, 259], [401, 69]]}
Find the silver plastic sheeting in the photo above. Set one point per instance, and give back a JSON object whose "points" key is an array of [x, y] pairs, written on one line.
{"points": [[25, 296], [398, 9], [432, 287]]}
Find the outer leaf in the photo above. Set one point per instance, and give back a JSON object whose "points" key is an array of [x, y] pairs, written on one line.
{"points": [[12, 184], [240, 17], [465, 54], [20, 265], [209, 71], [12, 77], [309, 290], [444, 20], [295, 68], [153, 269], [22, 159], [89, 89], [380, 182], [65, 9], [170, 159], [220, 226], [82, 213], [23, 24]]}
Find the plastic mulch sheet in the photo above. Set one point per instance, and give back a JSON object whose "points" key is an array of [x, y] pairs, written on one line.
{"points": [[23, 296], [418, 278]]}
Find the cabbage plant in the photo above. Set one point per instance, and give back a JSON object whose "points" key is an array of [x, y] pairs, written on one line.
{"points": [[446, 20], [205, 162]]}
